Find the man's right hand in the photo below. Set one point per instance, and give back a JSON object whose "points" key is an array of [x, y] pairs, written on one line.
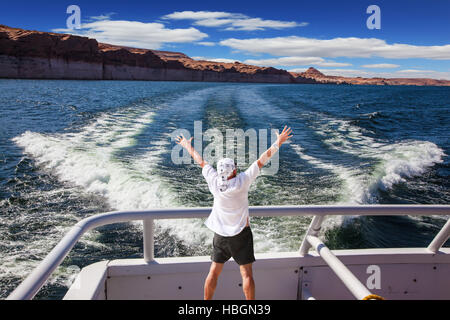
{"points": [[281, 138], [284, 135]]}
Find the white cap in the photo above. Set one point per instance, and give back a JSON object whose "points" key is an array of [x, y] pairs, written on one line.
{"points": [[225, 168]]}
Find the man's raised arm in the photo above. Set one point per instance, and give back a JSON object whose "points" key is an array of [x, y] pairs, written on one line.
{"points": [[281, 138], [182, 141]]}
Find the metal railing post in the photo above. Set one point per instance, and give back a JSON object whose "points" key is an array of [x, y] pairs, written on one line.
{"points": [[306, 294], [149, 247], [440, 238], [313, 230], [347, 277]]}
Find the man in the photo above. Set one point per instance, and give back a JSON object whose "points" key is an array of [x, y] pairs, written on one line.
{"points": [[229, 218]]}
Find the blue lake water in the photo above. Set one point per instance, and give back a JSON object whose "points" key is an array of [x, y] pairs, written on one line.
{"points": [[70, 149]]}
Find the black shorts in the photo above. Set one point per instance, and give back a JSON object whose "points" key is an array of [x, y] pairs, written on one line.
{"points": [[240, 247]]}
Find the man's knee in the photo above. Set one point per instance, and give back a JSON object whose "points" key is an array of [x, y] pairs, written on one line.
{"points": [[213, 276], [215, 270], [248, 279], [247, 272]]}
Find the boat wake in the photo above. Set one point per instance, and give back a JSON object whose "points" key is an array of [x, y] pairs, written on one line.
{"points": [[87, 159]]}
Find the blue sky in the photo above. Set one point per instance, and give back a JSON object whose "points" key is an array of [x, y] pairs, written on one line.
{"points": [[332, 36]]}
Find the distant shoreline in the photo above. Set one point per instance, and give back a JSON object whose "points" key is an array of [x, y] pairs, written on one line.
{"points": [[26, 54], [228, 82]]}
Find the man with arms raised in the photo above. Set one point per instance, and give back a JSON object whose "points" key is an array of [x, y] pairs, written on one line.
{"points": [[229, 218]]}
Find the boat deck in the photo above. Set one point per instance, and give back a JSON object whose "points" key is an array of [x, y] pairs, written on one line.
{"points": [[409, 273]]}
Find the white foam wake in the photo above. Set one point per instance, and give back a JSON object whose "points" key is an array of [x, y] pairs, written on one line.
{"points": [[353, 191], [395, 163], [405, 160], [87, 159]]}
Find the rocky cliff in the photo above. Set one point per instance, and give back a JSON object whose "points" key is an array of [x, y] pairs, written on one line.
{"points": [[318, 77], [43, 55], [26, 54]]}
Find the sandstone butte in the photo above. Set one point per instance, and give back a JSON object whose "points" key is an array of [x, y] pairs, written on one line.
{"points": [[26, 54]]}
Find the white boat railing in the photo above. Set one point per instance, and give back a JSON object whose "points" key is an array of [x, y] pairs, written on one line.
{"points": [[31, 285], [440, 238], [347, 277]]}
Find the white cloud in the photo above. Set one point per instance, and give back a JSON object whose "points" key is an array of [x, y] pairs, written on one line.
{"points": [[414, 71], [105, 16], [333, 64], [198, 15], [213, 22], [135, 34], [251, 24], [231, 21], [296, 61], [380, 66], [206, 43], [298, 70], [216, 59], [337, 47]]}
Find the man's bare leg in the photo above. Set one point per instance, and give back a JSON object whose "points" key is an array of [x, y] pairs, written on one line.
{"points": [[248, 284], [211, 280]]}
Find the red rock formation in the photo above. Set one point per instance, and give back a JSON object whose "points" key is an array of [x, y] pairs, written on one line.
{"points": [[25, 43], [319, 77], [44, 55], [34, 54]]}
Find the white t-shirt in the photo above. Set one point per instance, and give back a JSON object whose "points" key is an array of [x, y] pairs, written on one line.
{"points": [[230, 210]]}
